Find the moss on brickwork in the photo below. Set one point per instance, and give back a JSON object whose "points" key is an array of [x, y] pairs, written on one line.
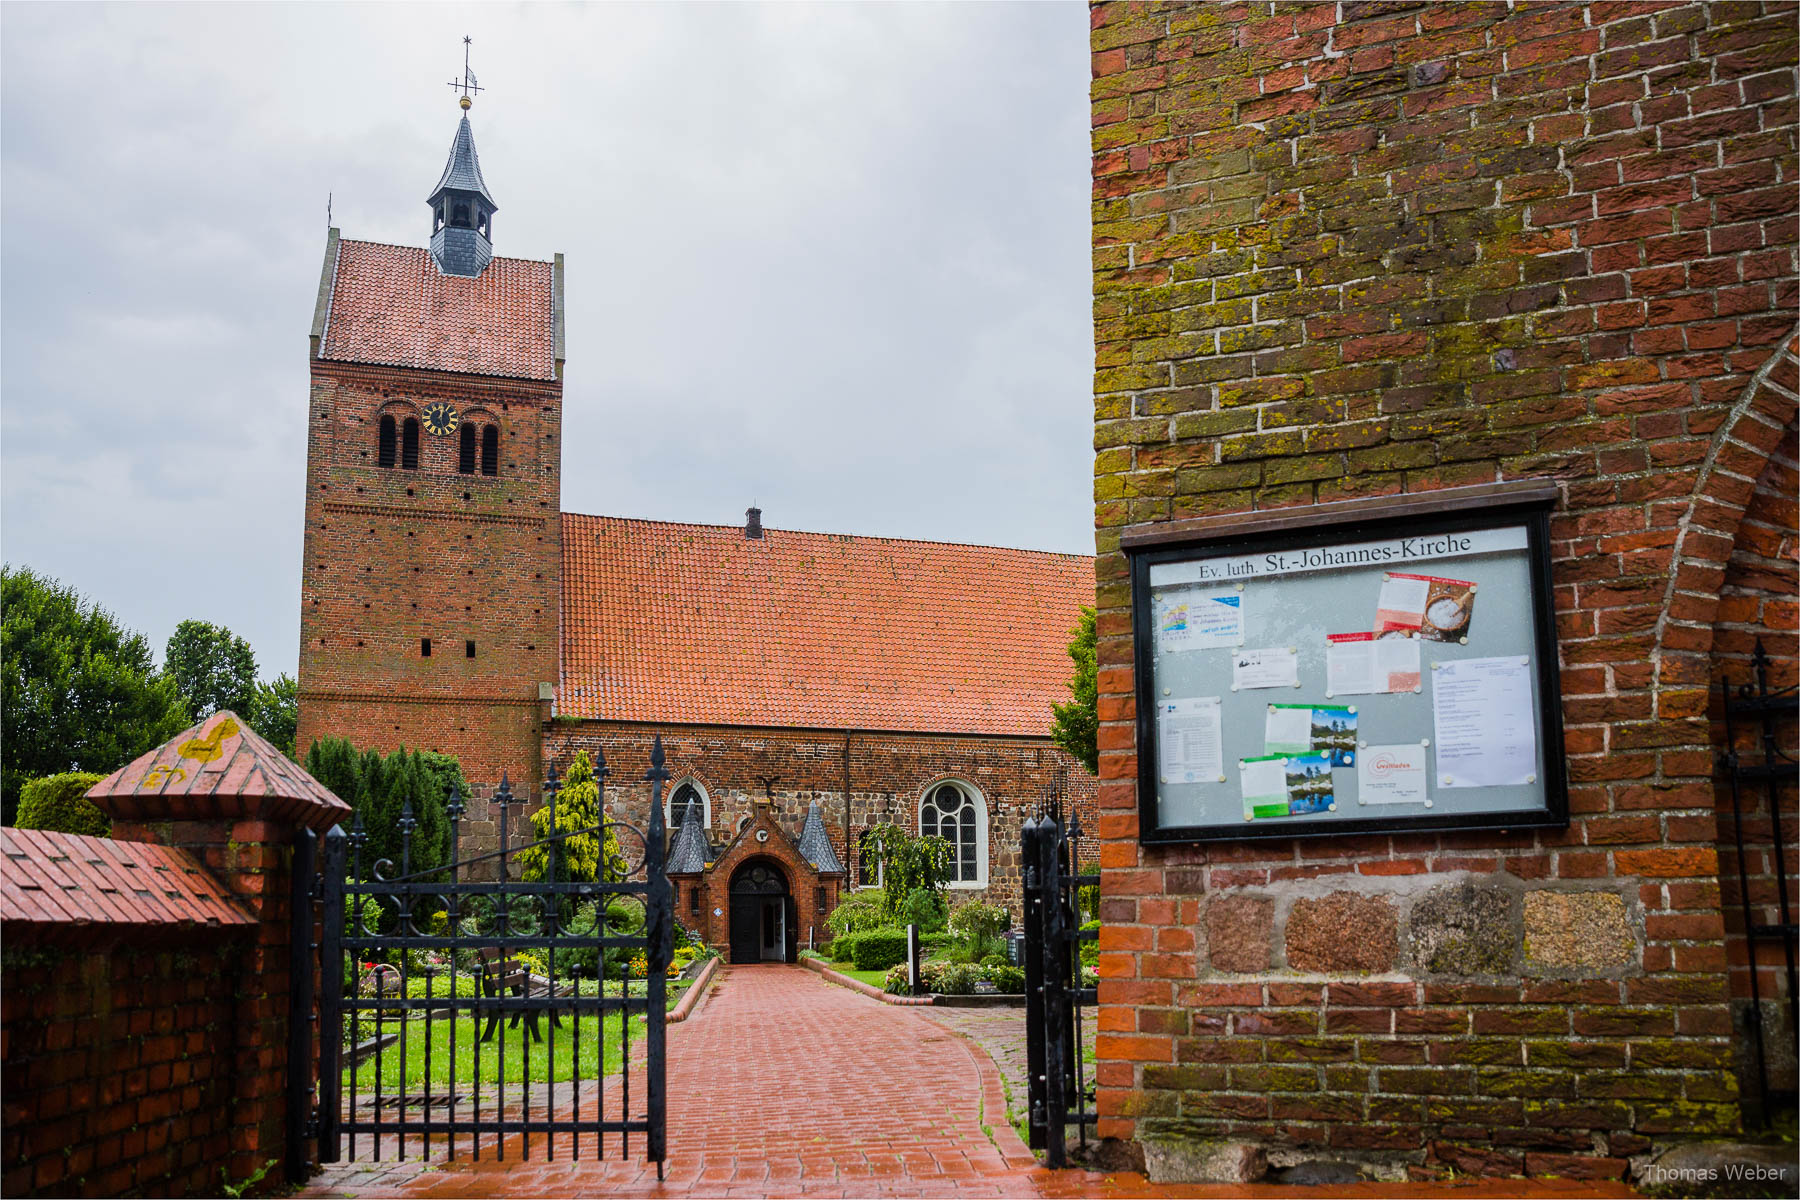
{"points": [[1407, 247]]}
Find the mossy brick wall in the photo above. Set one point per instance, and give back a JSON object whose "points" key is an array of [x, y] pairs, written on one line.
{"points": [[1346, 250], [119, 1066], [1758, 605], [890, 774], [394, 556]]}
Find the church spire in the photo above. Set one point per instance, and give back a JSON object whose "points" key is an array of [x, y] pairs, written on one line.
{"points": [[462, 209]]}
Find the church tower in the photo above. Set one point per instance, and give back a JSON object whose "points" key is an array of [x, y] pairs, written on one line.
{"points": [[433, 547]]}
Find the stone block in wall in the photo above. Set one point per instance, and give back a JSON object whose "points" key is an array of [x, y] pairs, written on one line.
{"points": [[1463, 929], [1342, 932], [1239, 931], [1578, 929], [1179, 1160]]}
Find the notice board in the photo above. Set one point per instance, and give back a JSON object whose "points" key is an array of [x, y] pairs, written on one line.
{"points": [[1374, 666]]}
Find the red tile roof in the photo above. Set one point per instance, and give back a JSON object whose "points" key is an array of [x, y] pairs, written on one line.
{"points": [[697, 623], [220, 768], [65, 884], [391, 305]]}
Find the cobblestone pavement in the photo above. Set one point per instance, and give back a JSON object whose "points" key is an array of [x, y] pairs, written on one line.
{"points": [[782, 1084], [1000, 1032]]}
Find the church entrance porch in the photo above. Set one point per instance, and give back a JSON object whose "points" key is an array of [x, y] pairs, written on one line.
{"points": [[763, 925]]}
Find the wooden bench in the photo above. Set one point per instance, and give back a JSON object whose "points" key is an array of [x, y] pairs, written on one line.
{"points": [[502, 975]]}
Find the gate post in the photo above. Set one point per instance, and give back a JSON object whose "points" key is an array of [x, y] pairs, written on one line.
{"points": [[301, 1120], [331, 991], [1033, 890], [1056, 1001], [658, 929]]}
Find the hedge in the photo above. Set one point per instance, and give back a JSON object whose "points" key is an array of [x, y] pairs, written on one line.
{"points": [[873, 949], [60, 802]]}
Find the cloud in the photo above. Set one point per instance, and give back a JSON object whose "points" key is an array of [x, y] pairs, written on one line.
{"points": [[829, 258]]}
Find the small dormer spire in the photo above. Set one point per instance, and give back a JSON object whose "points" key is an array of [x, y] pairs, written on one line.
{"points": [[462, 209]]}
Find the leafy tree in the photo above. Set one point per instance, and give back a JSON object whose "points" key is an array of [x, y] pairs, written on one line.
{"points": [[1076, 725], [213, 667], [77, 691], [579, 856], [275, 712], [909, 863], [60, 802]]}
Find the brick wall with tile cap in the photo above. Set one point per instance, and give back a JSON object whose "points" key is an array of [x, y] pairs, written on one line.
{"points": [[216, 799], [1378, 248], [118, 1014]]}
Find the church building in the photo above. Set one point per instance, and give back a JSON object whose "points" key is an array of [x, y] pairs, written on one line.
{"points": [[807, 686]]}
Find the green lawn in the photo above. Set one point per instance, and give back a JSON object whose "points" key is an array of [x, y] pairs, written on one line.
{"points": [[873, 978], [526, 1060]]}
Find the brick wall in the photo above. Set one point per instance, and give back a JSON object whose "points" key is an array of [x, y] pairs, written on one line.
{"points": [[1366, 249], [1757, 604], [395, 556], [889, 776], [119, 1066]]}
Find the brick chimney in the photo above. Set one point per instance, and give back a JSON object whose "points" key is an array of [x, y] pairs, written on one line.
{"points": [[753, 522]]}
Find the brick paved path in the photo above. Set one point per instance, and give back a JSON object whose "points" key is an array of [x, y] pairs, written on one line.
{"points": [[783, 1084]]}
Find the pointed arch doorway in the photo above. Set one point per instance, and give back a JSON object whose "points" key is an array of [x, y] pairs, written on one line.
{"points": [[762, 914]]}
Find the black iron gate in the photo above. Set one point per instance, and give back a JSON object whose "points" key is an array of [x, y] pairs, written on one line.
{"points": [[466, 1011], [1060, 1091], [1775, 772]]}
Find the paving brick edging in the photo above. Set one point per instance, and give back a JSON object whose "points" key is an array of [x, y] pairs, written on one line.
{"points": [[857, 985], [691, 1000]]}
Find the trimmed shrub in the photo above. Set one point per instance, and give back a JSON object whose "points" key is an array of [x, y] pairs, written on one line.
{"points": [[1006, 979], [60, 802], [873, 949], [958, 980]]}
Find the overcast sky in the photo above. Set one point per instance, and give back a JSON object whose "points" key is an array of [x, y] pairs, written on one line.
{"points": [[832, 258]]}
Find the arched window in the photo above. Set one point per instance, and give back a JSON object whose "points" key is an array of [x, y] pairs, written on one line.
{"points": [[459, 216], [955, 813], [689, 793], [384, 454], [868, 861], [490, 449], [409, 444], [465, 457]]}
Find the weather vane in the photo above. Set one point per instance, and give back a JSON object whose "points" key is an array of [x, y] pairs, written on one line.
{"points": [[467, 84]]}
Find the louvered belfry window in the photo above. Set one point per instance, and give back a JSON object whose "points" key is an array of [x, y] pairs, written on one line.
{"points": [[384, 454], [409, 444], [465, 457], [490, 449]]}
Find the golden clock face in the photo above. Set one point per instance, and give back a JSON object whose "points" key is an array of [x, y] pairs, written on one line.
{"points": [[440, 418]]}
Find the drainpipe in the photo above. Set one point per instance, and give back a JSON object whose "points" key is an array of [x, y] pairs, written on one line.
{"points": [[846, 884]]}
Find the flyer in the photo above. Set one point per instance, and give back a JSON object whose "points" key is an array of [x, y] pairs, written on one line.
{"points": [[1357, 664], [1310, 729], [1433, 607], [1309, 784], [1276, 666], [1188, 741], [1197, 619], [1265, 786], [1485, 722], [1392, 775]]}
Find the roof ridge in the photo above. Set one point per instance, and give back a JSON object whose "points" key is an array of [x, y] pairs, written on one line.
{"points": [[540, 262], [818, 533]]}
